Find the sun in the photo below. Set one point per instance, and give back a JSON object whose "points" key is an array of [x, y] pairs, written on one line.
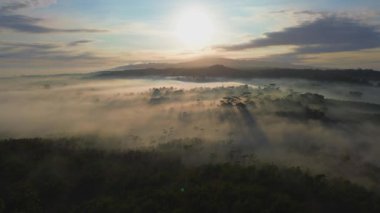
{"points": [[194, 28]]}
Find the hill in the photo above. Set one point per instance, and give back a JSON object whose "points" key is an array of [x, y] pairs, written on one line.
{"points": [[210, 61], [359, 76]]}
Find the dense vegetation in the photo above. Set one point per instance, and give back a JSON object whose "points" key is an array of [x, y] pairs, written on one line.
{"points": [[64, 175]]}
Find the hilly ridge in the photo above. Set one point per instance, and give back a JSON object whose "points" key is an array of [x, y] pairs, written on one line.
{"points": [[358, 76]]}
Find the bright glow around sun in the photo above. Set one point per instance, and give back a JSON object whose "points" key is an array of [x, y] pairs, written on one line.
{"points": [[195, 28]]}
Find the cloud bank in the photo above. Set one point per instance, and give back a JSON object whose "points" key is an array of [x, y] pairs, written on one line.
{"points": [[10, 19], [327, 34], [52, 51], [26, 24], [9, 6]]}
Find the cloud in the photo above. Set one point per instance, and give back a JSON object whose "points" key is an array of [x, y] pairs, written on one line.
{"points": [[79, 42], [363, 59], [52, 57], [17, 45], [45, 51], [26, 24], [11, 20], [12, 5], [327, 34]]}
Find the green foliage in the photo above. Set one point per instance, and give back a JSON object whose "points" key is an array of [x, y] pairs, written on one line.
{"points": [[57, 176]]}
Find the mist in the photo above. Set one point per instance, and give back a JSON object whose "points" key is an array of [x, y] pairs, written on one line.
{"points": [[319, 126]]}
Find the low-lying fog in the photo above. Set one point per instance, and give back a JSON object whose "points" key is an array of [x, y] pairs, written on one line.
{"points": [[279, 121]]}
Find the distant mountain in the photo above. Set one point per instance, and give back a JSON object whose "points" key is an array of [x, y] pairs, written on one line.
{"points": [[210, 61], [238, 63], [210, 71], [367, 77]]}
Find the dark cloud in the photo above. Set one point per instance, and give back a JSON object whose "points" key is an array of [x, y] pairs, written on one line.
{"points": [[308, 12], [20, 23], [12, 5], [46, 51], [17, 45], [79, 42], [326, 34]]}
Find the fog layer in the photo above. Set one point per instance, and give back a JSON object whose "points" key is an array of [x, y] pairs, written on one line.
{"points": [[324, 127]]}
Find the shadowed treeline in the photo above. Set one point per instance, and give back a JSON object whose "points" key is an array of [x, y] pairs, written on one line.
{"points": [[65, 175]]}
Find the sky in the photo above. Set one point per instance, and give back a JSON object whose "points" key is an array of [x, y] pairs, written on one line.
{"points": [[74, 36]]}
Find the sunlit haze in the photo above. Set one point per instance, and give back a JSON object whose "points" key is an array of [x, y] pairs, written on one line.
{"points": [[76, 36], [195, 28]]}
